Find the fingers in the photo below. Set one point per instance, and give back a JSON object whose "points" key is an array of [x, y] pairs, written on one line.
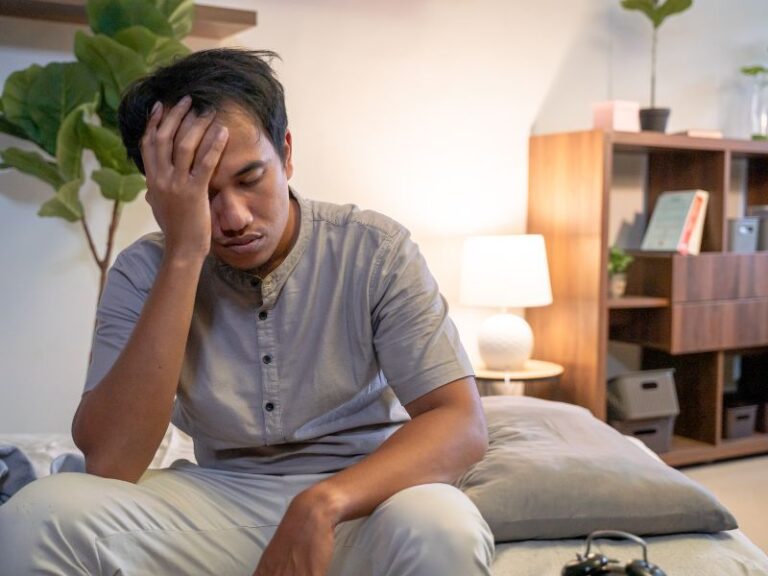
{"points": [[188, 139], [166, 133], [209, 152], [147, 140]]}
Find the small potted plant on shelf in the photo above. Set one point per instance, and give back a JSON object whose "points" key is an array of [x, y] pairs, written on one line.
{"points": [[759, 105], [618, 262], [655, 119]]}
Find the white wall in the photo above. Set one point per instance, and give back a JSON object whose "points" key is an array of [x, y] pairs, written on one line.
{"points": [[420, 109]]}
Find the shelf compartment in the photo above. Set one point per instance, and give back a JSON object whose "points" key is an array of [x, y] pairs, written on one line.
{"points": [[210, 21]]}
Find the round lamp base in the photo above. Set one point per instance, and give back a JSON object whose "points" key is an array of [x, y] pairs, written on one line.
{"points": [[505, 342]]}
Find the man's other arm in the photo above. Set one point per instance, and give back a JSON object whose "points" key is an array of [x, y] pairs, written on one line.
{"points": [[120, 423], [446, 435]]}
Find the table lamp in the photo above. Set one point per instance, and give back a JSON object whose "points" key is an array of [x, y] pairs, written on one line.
{"points": [[505, 272]]}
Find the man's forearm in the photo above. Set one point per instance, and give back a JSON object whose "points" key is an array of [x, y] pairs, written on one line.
{"points": [[446, 435], [121, 422]]}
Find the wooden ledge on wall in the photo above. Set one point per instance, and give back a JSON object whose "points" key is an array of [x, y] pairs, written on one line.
{"points": [[210, 21]]}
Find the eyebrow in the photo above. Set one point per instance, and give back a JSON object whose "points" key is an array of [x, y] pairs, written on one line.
{"points": [[251, 166]]}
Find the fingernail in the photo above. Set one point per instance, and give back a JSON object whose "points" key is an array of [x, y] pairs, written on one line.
{"points": [[186, 100], [156, 107]]}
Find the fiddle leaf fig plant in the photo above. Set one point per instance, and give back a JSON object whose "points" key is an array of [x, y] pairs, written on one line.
{"points": [[657, 12], [66, 108]]}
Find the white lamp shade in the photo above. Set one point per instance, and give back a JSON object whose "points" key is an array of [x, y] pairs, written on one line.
{"points": [[505, 272]]}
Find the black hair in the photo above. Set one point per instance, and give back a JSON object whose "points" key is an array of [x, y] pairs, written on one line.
{"points": [[213, 79]]}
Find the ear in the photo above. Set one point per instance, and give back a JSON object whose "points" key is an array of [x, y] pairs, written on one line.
{"points": [[287, 150]]}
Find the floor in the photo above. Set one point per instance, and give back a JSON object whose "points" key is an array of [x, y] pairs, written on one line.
{"points": [[742, 486]]}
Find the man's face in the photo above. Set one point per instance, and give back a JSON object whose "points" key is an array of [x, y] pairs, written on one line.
{"points": [[252, 218]]}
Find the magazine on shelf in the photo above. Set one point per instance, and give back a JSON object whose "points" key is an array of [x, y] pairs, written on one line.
{"points": [[677, 222]]}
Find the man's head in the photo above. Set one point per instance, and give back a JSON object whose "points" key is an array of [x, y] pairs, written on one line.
{"points": [[253, 221], [214, 79]]}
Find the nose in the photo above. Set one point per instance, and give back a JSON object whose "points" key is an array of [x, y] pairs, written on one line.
{"points": [[231, 214]]}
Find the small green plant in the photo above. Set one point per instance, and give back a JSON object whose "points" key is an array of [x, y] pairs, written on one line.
{"points": [[65, 108], [618, 260], [753, 70], [657, 12]]}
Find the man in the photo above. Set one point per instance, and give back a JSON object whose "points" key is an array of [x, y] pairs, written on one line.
{"points": [[304, 346]]}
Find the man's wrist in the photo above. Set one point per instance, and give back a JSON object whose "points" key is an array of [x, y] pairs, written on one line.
{"points": [[324, 503]]}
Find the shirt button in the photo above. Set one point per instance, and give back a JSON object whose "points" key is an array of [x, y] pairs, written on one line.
{"points": [[262, 315], [267, 359], [255, 282], [269, 406]]}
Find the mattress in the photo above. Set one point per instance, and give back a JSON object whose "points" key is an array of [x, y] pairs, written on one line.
{"points": [[722, 553]]}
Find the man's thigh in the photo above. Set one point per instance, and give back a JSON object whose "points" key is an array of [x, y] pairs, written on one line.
{"points": [[183, 520]]}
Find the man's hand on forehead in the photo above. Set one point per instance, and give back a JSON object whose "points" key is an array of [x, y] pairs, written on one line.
{"points": [[180, 150]]}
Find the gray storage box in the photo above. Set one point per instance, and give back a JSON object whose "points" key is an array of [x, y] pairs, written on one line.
{"points": [[642, 395], [656, 433], [743, 234], [761, 212], [739, 421]]}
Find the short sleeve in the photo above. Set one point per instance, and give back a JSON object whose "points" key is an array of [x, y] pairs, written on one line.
{"points": [[129, 282], [417, 344]]}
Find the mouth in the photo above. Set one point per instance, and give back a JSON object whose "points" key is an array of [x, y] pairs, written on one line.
{"points": [[243, 244]]}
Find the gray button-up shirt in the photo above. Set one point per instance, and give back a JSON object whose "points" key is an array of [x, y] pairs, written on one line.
{"points": [[307, 370]]}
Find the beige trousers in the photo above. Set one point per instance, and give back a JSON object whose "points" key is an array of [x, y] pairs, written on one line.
{"points": [[188, 520]]}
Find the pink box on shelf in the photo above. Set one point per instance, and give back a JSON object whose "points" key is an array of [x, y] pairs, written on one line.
{"points": [[618, 115]]}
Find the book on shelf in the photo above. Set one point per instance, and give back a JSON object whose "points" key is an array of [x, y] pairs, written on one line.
{"points": [[701, 133], [677, 222]]}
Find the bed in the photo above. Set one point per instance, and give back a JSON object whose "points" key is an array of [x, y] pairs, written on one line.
{"points": [[552, 475]]}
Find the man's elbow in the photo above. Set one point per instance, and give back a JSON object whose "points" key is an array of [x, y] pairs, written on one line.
{"points": [[477, 440], [111, 469]]}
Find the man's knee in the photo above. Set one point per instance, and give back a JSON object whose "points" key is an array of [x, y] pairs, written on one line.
{"points": [[440, 521], [49, 518]]}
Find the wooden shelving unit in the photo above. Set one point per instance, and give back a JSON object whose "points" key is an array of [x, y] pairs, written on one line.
{"points": [[210, 21], [686, 312]]}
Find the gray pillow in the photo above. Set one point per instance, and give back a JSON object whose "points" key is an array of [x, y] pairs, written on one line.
{"points": [[552, 471]]}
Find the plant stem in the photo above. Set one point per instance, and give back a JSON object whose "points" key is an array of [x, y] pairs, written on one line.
{"points": [[91, 245], [653, 68], [103, 263]]}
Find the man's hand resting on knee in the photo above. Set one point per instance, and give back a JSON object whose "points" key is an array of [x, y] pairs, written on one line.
{"points": [[303, 543]]}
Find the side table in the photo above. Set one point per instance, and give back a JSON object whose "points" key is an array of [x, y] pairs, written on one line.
{"points": [[537, 378]]}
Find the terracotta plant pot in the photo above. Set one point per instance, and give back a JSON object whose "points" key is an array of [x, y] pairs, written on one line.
{"points": [[654, 119]]}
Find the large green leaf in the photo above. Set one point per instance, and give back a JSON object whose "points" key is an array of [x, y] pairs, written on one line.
{"points": [[671, 7], [115, 65], [110, 16], [34, 164], [156, 50], [180, 15], [69, 144], [66, 204], [655, 11], [114, 186], [8, 127], [56, 91], [15, 97], [108, 148]]}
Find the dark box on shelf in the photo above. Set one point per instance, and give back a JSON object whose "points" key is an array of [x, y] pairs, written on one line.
{"points": [[739, 421], [642, 395], [761, 422], [656, 433]]}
